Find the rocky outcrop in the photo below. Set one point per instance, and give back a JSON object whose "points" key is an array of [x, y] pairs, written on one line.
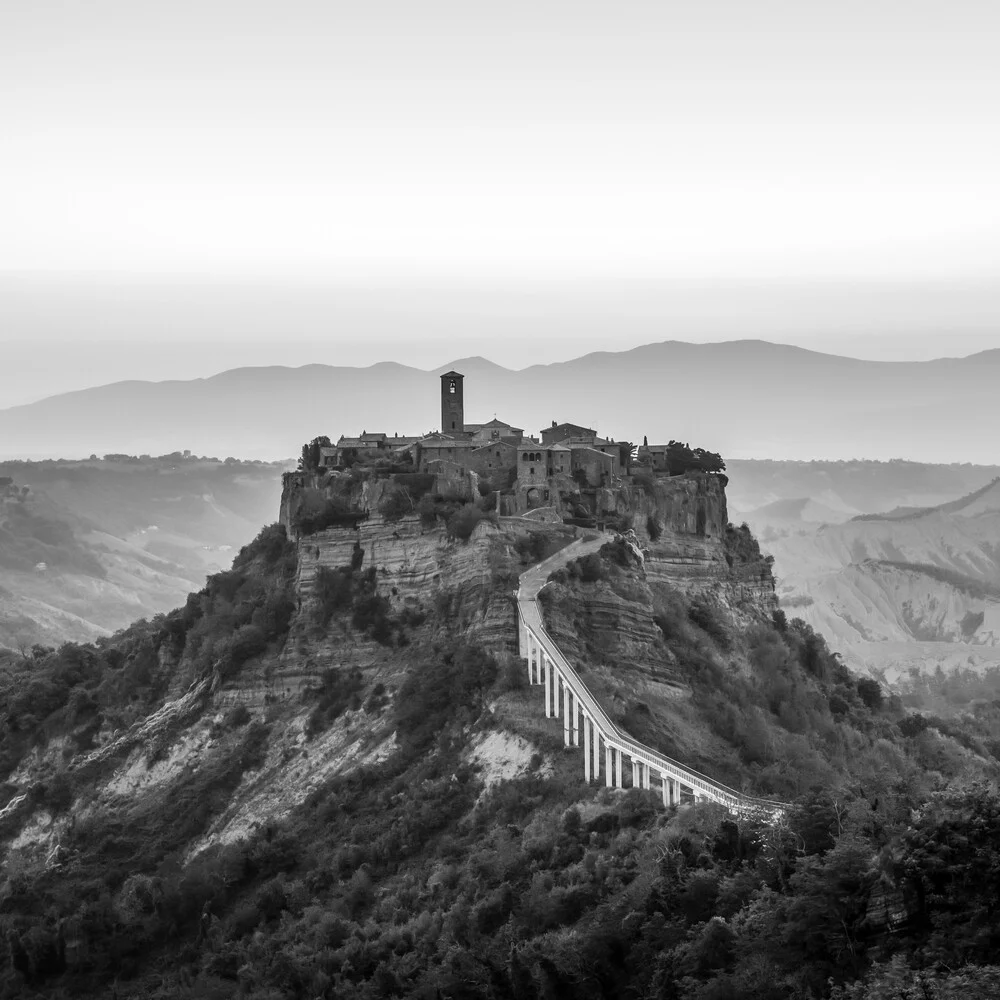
{"points": [[680, 528], [421, 572]]}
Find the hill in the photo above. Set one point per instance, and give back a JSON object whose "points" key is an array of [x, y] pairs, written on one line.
{"points": [[325, 775], [814, 404], [87, 547], [915, 588]]}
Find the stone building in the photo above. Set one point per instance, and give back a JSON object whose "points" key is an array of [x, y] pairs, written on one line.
{"points": [[443, 447], [497, 456], [495, 430], [452, 403], [559, 433]]}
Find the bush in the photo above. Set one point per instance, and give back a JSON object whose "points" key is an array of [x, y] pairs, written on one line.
{"points": [[870, 692], [336, 513], [337, 691], [706, 614], [333, 590], [238, 715], [395, 504], [433, 693], [591, 568], [653, 528], [463, 522]]}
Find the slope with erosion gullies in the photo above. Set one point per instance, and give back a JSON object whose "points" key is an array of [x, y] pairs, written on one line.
{"points": [[87, 547], [178, 815], [908, 590]]}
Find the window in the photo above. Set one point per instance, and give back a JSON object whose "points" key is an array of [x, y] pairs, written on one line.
{"points": [[532, 470], [451, 388], [524, 457]]}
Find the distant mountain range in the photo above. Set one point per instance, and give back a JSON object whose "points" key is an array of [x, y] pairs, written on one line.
{"points": [[742, 399]]}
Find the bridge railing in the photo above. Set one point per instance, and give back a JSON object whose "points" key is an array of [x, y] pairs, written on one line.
{"points": [[613, 734]]}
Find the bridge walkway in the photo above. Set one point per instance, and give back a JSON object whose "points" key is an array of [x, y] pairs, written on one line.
{"points": [[584, 716]]}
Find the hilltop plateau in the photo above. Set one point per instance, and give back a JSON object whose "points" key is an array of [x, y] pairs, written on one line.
{"points": [[326, 775]]}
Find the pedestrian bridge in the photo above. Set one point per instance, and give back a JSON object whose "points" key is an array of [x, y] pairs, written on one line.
{"points": [[586, 722]]}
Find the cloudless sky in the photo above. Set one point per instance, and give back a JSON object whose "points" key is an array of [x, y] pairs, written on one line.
{"points": [[796, 167]]}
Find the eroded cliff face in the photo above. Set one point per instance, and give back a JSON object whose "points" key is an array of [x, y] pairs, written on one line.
{"points": [[682, 524], [432, 580]]}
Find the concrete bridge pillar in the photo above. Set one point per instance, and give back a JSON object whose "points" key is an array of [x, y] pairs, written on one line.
{"points": [[608, 756], [635, 773], [665, 789], [586, 749], [567, 696], [619, 782], [596, 735], [676, 791], [576, 721], [547, 681]]}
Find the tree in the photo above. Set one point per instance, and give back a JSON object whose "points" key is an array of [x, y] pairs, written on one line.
{"points": [[310, 458], [870, 692], [626, 452]]}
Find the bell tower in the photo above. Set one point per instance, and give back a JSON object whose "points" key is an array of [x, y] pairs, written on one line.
{"points": [[452, 403]]}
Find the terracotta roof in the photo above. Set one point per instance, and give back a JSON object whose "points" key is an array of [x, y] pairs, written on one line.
{"points": [[442, 441], [568, 426], [494, 444]]}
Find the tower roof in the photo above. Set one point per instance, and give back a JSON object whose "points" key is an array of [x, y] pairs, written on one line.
{"points": [[452, 374]]}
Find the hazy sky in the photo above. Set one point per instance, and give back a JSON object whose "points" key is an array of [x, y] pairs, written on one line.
{"points": [[525, 147]]}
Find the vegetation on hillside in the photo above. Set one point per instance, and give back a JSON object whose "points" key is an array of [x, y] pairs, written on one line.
{"points": [[408, 878]]}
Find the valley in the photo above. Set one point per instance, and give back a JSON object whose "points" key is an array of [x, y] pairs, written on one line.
{"points": [[890, 561], [88, 547]]}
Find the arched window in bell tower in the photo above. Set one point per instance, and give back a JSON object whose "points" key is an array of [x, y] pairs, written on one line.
{"points": [[452, 403]]}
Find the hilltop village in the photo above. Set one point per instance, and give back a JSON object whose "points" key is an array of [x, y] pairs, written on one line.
{"points": [[521, 472]]}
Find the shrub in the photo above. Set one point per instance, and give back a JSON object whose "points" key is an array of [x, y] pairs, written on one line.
{"points": [[337, 691], [463, 522], [512, 673], [336, 513], [333, 590], [238, 715], [705, 613], [870, 692], [271, 545], [396, 504], [653, 528], [591, 568], [433, 692]]}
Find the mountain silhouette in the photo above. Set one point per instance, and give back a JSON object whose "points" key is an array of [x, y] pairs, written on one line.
{"points": [[741, 398]]}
